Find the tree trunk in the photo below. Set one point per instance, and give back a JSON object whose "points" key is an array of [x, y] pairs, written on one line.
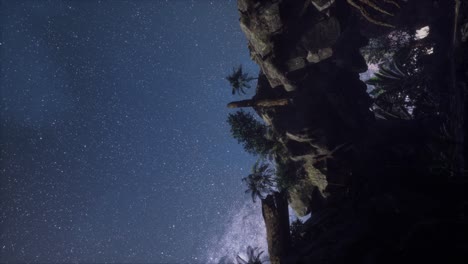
{"points": [[281, 199], [272, 225], [259, 103], [276, 216]]}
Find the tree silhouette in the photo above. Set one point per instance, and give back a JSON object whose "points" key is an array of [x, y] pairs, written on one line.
{"points": [[250, 133], [260, 181], [239, 80], [253, 256]]}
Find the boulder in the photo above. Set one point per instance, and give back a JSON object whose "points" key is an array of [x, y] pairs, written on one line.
{"points": [[276, 76], [296, 64], [308, 194], [320, 55], [259, 22]]}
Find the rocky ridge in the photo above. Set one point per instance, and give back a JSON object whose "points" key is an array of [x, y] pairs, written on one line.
{"points": [[315, 66], [367, 182]]}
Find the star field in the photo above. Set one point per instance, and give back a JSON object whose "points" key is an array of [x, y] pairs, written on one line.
{"points": [[114, 145]]}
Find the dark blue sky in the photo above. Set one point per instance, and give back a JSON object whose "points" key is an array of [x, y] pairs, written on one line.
{"points": [[114, 145]]}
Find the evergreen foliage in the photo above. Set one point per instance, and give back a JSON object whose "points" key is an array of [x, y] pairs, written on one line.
{"points": [[286, 174], [250, 133]]}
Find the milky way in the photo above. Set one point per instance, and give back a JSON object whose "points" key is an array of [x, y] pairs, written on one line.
{"points": [[245, 228], [114, 145]]}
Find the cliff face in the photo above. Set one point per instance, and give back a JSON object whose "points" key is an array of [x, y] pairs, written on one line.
{"points": [[309, 50], [369, 183], [288, 36]]}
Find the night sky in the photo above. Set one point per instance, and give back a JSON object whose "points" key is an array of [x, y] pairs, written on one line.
{"points": [[114, 142]]}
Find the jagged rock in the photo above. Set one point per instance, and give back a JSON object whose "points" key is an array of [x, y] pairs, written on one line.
{"points": [[298, 55], [322, 4], [276, 76], [263, 26], [296, 64], [266, 118], [315, 176], [320, 55], [259, 22], [308, 194], [323, 34], [312, 49], [315, 44], [313, 138], [299, 137], [301, 158], [300, 196]]}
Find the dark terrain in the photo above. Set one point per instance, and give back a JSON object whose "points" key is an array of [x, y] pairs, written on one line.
{"points": [[382, 172]]}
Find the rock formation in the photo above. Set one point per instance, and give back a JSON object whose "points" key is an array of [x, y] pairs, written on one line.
{"points": [[367, 182], [316, 67]]}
